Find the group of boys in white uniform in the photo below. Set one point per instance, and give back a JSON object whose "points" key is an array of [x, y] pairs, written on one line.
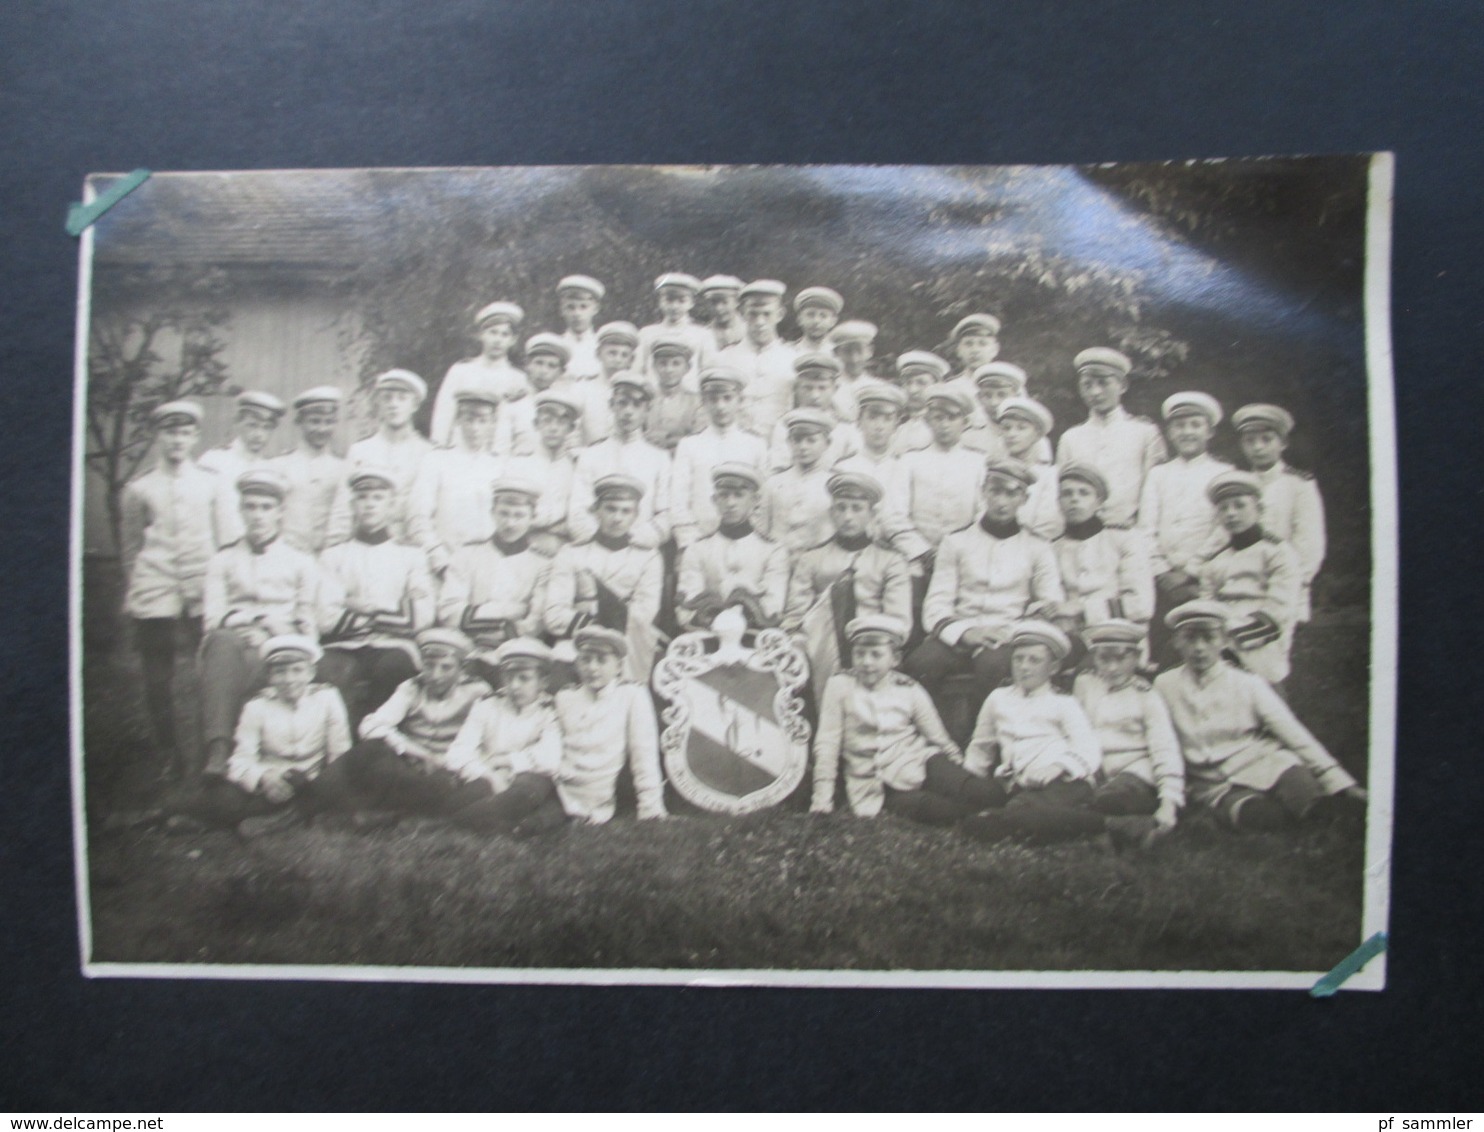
{"points": [[623, 485]]}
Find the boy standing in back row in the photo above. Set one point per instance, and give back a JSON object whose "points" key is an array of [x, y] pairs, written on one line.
{"points": [[765, 361], [496, 326], [1122, 447], [257, 419], [578, 298], [312, 471]]}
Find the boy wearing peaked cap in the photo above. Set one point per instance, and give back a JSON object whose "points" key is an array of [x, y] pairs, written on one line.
{"points": [[256, 588], [579, 298], [496, 326], [448, 505], [608, 579], [607, 721], [1037, 745], [617, 345], [849, 576], [796, 501], [256, 420], [1105, 571], [168, 537], [734, 565], [765, 361], [975, 342], [402, 765], [994, 384], [395, 445], [1255, 575], [1143, 774], [625, 453], [495, 589], [1292, 507], [312, 470], [942, 482], [509, 750], [1247, 757], [1175, 514], [375, 595], [882, 409], [675, 292], [723, 440], [817, 311], [986, 578], [285, 738], [1121, 446], [882, 725], [676, 411], [918, 371], [816, 378], [553, 465], [854, 345], [720, 296], [1024, 424]]}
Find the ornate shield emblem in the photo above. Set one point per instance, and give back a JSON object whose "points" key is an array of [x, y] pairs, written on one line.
{"points": [[735, 739]]}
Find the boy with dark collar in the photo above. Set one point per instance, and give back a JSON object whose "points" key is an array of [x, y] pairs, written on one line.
{"points": [[734, 565]]}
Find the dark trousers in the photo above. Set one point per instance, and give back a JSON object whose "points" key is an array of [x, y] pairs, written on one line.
{"points": [[365, 677], [528, 798], [158, 640], [219, 802], [372, 776], [1125, 795], [231, 672], [948, 794], [1059, 811], [1288, 801], [932, 662], [1161, 641]]}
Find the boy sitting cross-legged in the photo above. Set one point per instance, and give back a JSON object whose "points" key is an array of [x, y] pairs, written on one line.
{"points": [[400, 766], [510, 748], [897, 755], [286, 736], [1142, 770], [1247, 757], [606, 722], [1038, 745]]}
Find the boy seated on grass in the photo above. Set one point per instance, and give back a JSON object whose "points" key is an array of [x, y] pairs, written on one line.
{"points": [[400, 766], [1143, 773], [606, 722], [509, 749], [898, 756], [1247, 757], [286, 736], [1255, 575], [1037, 745]]}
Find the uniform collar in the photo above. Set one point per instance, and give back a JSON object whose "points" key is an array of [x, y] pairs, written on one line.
{"points": [[607, 543], [1250, 537], [375, 538], [1008, 529], [509, 548], [852, 543], [735, 531], [1272, 473], [256, 549], [1119, 413], [1086, 530]]}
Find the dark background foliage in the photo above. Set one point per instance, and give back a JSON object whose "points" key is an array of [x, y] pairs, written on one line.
{"points": [[86, 86]]}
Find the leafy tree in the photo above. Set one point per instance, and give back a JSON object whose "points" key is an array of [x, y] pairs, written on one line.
{"points": [[155, 337]]}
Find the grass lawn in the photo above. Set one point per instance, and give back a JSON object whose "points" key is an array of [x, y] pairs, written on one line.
{"points": [[780, 889]]}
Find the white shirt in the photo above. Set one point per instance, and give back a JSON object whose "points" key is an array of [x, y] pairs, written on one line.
{"points": [[1031, 739], [493, 595], [700, 339], [795, 508], [1293, 509], [274, 736], [553, 475], [690, 485], [1106, 575], [359, 577], [633, 457], [168, 537], [404, 457], [229, 462], [600, 730], [584, 361], [717, 566], [1135, 733], [1123, 448], [274, 584], [769, 374], [942, 493], [499, 740], [450, 502], [314, 480], [473, 373], [1175, 513], [983, 582]]}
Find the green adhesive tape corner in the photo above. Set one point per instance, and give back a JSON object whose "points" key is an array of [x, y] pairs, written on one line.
{"points": [[81, 216], [1348, 966]]}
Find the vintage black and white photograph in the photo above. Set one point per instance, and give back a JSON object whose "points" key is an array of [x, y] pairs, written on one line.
{"points": [[793, 575]]}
